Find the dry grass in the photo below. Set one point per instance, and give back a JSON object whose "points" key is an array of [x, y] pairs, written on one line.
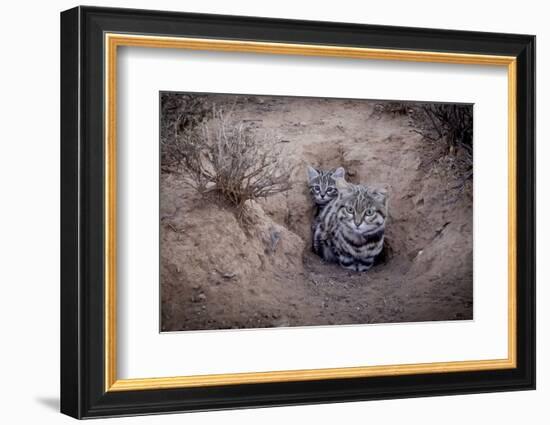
{"points": [[230, 160], [451, 123], [450, 127], [180, 113]]}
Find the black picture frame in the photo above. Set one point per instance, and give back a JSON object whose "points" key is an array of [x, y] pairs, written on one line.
{"points": [[83, 392]]}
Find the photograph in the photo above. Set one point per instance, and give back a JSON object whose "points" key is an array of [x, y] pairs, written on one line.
{"points": [[284, 211]]}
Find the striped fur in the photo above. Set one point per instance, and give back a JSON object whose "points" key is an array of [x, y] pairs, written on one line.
{"points": [[350, 230], [322, 185]]}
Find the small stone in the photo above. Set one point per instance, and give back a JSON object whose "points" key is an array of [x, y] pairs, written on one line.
{"points": [[198, 298]]}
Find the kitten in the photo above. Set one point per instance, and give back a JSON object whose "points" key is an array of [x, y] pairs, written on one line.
{"points": [[350, 230], [322, 184]]}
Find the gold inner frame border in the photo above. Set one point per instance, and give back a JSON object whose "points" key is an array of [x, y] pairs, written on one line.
{"points": [[111, 43]]}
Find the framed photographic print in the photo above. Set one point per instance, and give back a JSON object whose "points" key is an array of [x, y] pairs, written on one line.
{"points": [[261, 212]]}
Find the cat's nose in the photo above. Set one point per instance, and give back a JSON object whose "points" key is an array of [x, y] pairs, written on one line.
{"points": [[322, 196]]}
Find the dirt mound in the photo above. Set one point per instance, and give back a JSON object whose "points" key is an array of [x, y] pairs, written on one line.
{"points": [[217, 273], [216, 267]]}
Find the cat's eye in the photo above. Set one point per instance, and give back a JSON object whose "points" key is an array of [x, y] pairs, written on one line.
{"points": [[349, 210], [316, 188], [330, 189], [370, 212]]}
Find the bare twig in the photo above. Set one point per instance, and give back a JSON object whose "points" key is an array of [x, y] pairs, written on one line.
{"points": [[233, 161]]}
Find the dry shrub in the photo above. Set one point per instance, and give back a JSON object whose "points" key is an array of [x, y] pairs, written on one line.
{"points": [[232, 161], [180, 113], [448, 123], [451, 123]]}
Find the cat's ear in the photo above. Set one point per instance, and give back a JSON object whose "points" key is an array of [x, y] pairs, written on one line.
{"points": [[339, 173], [343, 186], [312, 173], [380, 195]]}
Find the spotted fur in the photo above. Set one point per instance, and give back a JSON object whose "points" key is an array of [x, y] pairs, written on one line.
{"points": [[350, 230]]}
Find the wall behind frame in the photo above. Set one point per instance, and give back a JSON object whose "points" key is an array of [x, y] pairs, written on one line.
{"points": [[29, 217]]}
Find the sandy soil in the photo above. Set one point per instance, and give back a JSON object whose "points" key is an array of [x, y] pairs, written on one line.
{"points": [[218, 274]]}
